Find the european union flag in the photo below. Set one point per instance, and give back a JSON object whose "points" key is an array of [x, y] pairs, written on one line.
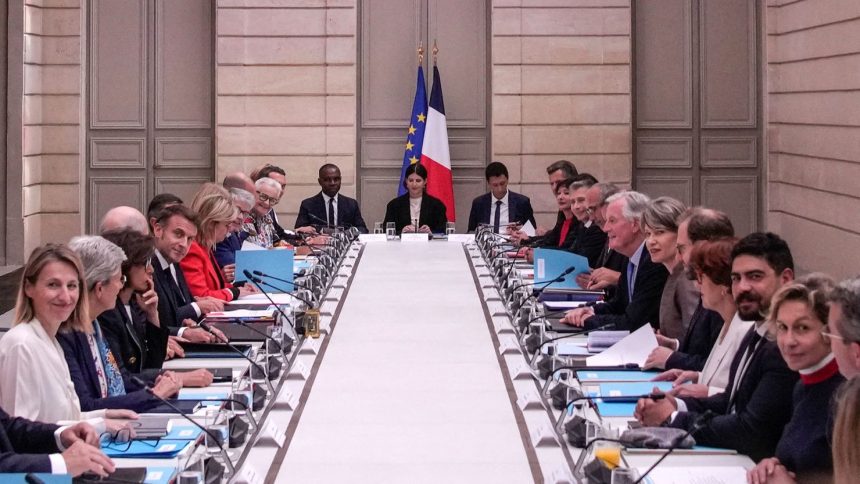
{"points": [[415, 135]]}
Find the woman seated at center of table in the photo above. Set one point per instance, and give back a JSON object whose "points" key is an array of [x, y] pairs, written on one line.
{"points": [[35, 382], [798, 315], [416, 204]]}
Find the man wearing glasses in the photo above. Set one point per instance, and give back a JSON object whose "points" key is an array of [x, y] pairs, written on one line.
{"points": [[843, 326]]}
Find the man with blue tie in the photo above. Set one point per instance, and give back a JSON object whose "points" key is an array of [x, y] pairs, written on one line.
{"points": [[500, 207], [329, 208], [637, 299]]}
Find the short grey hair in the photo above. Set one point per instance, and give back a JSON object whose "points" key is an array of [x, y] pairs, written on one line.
{"points": [[664, 213], [100, 257], [268, 182], [847, 296], [606, 190], [240, 195], [583, 183], [635, 204]]}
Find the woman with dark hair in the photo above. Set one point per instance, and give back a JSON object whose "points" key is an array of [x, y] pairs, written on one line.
{"points": [[798, 315], [416, 205], [711, 262]]}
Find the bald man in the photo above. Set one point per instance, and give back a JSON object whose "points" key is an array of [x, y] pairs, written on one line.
{"points": [[237, 179], [124, 217]]}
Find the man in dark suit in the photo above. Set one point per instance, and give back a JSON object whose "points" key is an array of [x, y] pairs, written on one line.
{"points": [[637, 298], [174, 228], [751, 413], [500, 206], [691, 351], [329, 208], [590, 239], [607, 268], [27, 446]]}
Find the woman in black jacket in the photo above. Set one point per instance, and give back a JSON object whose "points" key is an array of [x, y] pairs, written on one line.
{"points": [[415, 204]]}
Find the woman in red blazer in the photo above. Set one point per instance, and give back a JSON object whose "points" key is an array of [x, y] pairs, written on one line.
{"points": [[216, 212]]}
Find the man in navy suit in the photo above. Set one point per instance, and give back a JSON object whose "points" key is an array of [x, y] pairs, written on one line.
{"points": [[500, 207], [329, 208]]}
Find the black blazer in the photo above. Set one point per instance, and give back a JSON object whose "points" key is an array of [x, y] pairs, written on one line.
{"points": [[550, 239], [174, 301], [611, 260], [645, 306], [762, 404], [25, 445], [694, 348], [348, 213], [589, 242], [137, 345], [432, 213], [519, 210], [86, 380]]}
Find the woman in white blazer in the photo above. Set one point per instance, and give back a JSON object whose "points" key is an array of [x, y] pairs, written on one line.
{"points": [[34, 377]]}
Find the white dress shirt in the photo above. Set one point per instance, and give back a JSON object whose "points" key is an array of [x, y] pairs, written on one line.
{"points": [[504, 217], [715, 373]]}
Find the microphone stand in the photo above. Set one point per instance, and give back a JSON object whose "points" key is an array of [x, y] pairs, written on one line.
{"points": [[256, 283], [223, 452], [206, 327], [255, 330]]}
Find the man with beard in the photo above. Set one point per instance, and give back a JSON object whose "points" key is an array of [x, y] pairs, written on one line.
{"points": [[751, 413]]}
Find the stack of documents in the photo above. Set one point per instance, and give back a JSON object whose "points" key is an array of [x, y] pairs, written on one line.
{"points": [[602, 340], [266, 315]]}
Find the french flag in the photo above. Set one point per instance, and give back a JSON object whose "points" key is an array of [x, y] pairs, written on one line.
{"points": [[434, 153]]}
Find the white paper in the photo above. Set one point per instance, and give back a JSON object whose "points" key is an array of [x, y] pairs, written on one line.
{"points": [[571, 349], [635, 348], [528, 228], [414, 237], [558, 305], [462, 238], [695, 475], [280, 298], [243, 313], [373, 238], [251, 246]]}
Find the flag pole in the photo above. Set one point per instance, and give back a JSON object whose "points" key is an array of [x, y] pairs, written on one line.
{"points": [[420, 53], [435, 51]]}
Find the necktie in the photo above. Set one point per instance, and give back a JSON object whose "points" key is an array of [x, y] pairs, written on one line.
{"points": [[631, 270], [331, 221], [497, 216], [169, 271], [743, 365], [112, 373]]}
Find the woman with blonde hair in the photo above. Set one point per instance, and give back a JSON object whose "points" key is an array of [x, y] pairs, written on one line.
{"points": [[35, 382], [215, 211]]}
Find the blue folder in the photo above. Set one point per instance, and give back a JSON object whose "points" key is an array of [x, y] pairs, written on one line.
{"points": [[616, 409], [277, 263], [145, 449], [183, 432], [159, 475], [212, 393], [600, 376], [15, 478], [622, 389], [549, 264]]}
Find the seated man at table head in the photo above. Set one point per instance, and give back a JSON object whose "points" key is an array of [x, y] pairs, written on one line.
{"points": [[99, 380], [416, 204], [692, 350], [843, 326], [500, 207], [123, 217], [329, 208], [174, 229], [752, 412], [25, 447], [798, 315], [637, 299]]}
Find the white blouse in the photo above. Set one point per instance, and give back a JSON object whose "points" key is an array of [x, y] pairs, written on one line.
{"points": [[715, 373], [34, 378], [415, 208]]}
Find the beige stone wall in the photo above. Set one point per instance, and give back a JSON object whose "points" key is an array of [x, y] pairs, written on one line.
{"points": [[561, 89], [52, 148], [813, 84], [286, 85]]}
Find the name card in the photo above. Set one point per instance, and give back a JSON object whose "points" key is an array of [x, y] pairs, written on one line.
{"points": [[272, 431], [560, 475], [521, 371], [299, 371], [543, 436], [502, 326], [248, 475], [373, 238], [414, 237], [288, 399], [461, 238], [509, 345], [310, 346], [529, 401]]}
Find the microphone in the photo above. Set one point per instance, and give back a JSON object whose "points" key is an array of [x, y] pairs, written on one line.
{"points": [[138, 381], [536, 349], [31, 478], [256, 283], [269, 338], [698, 424], [324, 222], [591, 399], [263, 274], [259, 368]]}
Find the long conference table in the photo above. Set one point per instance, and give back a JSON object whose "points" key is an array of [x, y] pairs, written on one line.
{"points": [[416, 378]]}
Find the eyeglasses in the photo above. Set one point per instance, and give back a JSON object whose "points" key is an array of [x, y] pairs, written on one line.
{"points": [[831, 336], [266, 198], [123, 279]]}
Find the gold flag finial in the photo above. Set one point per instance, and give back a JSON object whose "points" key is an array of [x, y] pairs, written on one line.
{"points": [[420, 53], [435, 51]]}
